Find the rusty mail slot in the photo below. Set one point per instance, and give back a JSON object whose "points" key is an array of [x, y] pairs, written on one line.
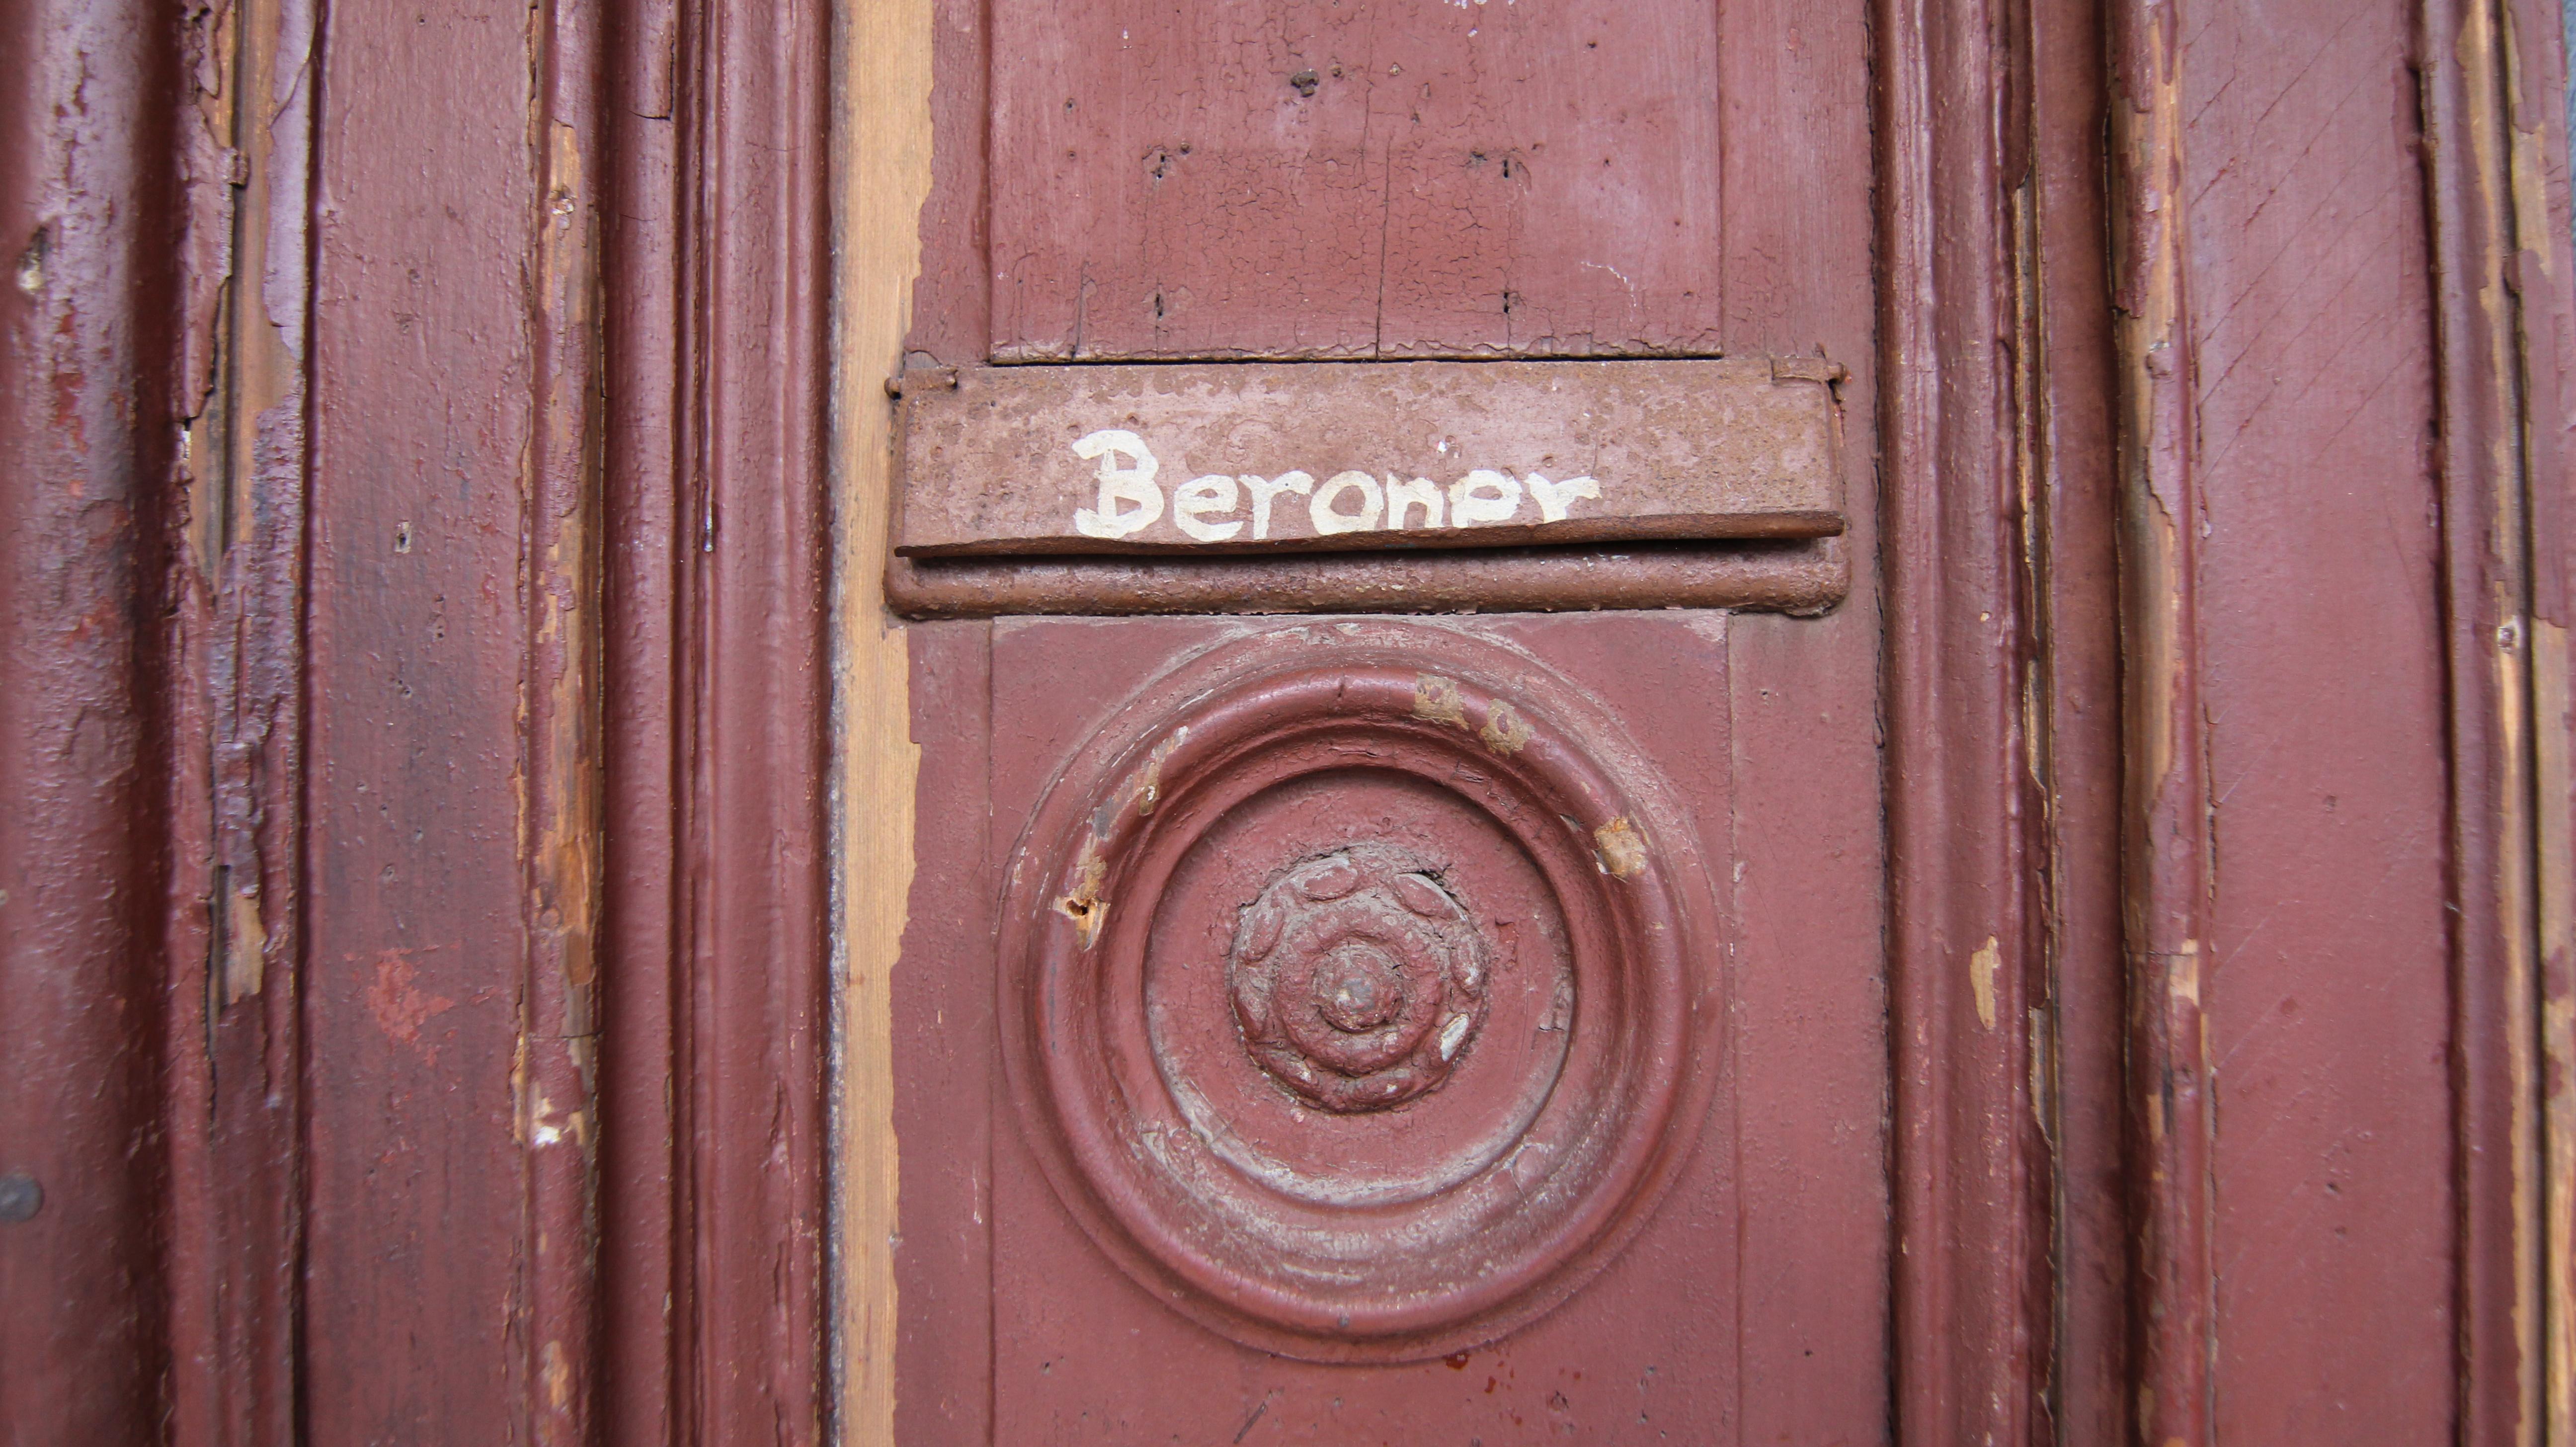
{"points": [[1338, 456]]}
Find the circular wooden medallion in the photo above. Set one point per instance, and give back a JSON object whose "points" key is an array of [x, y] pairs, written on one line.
{"points": [[1359, 989]]}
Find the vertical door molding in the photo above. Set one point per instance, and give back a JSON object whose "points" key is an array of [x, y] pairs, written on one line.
{"points": [[2496, 313], [563, 740], [2541, 269], [752, 372], [91, 198], [2165, 806], [1970, 1165]]}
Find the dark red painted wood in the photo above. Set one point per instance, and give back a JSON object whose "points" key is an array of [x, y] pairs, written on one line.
{"points": [[943, 1019], [1809, 835], [2074, 620], [1311, 180], [90, 202], [754, 443], [1968, 1284], [2326, 975], [1806, 1323], [423, 402], [647, 1305], [1652, 1339], [379, 1068]]}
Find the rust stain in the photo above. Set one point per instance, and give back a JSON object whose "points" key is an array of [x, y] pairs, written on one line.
{"points": [[1083, 905], [1505, 731], [1436, 700], [1620, 848]]}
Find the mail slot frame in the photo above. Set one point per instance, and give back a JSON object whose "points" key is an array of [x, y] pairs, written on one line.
{"points": [[1001, 460], [1788, 559]]}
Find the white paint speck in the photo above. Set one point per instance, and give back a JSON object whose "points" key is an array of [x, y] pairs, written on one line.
{"points": [[1453, 1035]]}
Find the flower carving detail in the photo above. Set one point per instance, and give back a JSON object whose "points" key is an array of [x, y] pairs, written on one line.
{"points": [[1358, 979]]}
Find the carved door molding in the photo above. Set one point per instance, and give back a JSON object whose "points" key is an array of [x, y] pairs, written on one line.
{"points": [[459, 798]]}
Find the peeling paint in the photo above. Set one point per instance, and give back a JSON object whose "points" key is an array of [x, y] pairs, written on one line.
{"points": [[1981, 978], [1083, 904], [1505, 731], [1436, 700], [1620, 849]]}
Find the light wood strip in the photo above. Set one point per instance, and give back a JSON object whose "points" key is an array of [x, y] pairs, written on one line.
{"points": [[883, 123]]}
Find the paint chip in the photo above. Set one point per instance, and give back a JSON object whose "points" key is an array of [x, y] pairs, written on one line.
{"points": [[1981, 977], [1436, 700], [1620, 848], [1505, 731]]}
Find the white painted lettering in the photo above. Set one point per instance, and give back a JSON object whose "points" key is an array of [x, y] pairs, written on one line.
{"points": [[1132, 484], [1328, 521], [1196, 498], [1556, 498], [1263, 491], [1483, 496], [1422, 492]]}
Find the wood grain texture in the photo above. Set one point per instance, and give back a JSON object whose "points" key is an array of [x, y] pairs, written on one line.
{"points": [[882, 178], [562, 699], [2326, 977], [417, 960], [237, 1237], [1318, 181], [2545, 290], [1290, 457], [1808, 1323], [2472, 141], [2165, 801]]}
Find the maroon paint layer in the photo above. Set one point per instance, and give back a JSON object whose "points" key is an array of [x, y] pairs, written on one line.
{"points": [[2327, 979]]}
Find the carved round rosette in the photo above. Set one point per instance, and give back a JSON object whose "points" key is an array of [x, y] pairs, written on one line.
{"points": [[1358, 989], [1358, 978]]}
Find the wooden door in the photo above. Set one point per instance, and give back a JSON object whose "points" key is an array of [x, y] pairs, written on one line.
{"points": [[1502, 720], [1424, 1016]]}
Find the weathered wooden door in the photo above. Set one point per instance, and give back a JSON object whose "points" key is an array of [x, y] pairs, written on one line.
{"points": [[995, 722], [1420, 1014]]}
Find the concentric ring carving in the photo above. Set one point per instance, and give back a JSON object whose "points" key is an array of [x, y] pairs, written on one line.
{"points": [[1358, 978], [1357, 989]]}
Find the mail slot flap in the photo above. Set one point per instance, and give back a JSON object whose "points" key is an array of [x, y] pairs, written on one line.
{"points": [[1333, 457]]}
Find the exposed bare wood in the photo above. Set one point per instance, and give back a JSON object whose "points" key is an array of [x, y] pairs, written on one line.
{"points": [[557, 1108], [2486, 590], [883, 180], [2165, 800]]}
